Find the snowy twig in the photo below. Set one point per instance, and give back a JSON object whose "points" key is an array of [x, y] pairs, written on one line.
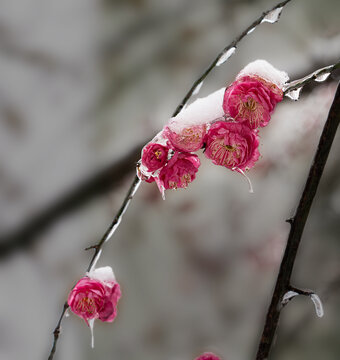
{"points": [[227, 52], [297, 226], [223, 56], [318, 75]]}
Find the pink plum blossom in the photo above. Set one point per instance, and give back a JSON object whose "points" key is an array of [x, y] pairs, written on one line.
{"points": [[188, 139], [179, 171], [208, 356], [154, 156], [251, 99], [92, 298], [233, 145]]}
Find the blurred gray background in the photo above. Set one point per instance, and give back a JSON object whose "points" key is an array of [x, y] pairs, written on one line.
{"points": [[83, 84]]}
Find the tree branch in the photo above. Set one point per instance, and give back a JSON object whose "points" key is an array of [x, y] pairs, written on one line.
{"points": [[100, 183], [297, 227]]}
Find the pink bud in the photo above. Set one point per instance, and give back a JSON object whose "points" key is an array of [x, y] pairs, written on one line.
{"points": [[188, 139], [179, 171], [208, 356], [251, 99], [154, 156], [233, 145], [94, 299]]}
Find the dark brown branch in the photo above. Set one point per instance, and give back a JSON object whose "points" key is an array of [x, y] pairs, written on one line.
{"points": [[297, 226], [100, 183], [56, 332]]}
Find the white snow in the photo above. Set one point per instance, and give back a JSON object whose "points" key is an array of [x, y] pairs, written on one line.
{"points": [[294, 94], [266, 71], [103, 274], [202, 111], [287, 296], [225, 56], [318, 305], [272, 16]]}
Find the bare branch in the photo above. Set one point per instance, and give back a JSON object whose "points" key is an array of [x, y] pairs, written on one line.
{"points": [[297, 227]]}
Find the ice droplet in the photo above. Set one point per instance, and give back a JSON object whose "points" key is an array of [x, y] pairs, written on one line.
{"points": [[294, 94], [272, 16], [197, 88], [318, 305], [251, 190], [288, 296], [225, 56], [67, 313], [251, 30], [322, 77], [91, 325]]}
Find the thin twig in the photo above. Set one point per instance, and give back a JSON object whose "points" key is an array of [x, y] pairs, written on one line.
{"points": [[136, 182], [233, 44], [297, 226], [299, 83]]}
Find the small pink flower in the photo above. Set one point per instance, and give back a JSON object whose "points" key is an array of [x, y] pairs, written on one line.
{"points": [[188, 139], [95, 299], [179, 171], [233, 145], [251, 99], [208, 356], [154, 156]]}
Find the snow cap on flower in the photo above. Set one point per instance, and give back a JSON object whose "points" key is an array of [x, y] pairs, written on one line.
{"points": [[95, 296], [200, 112], [179, 171], [208, 356], [233, 145], [188, 139], [266, 71]]}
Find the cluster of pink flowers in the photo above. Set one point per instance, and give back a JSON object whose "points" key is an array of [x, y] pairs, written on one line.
{"points": [[230, 140], [95, 296]]}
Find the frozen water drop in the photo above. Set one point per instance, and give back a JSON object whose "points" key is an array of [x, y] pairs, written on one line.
{"points": [[272, 16], [294, 94], [67, 313], [91, 325], [318, 305], [288, 296], [322, 77], [251, 30], [197, 88], [225, 56], [251, 190]]}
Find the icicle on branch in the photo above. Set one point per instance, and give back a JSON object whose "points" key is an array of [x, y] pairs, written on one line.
{"points": [[293, 88]]}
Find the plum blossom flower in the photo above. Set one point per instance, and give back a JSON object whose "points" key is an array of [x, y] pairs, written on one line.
{"points": [[154, 156], [179, 171], [233, 145], [95, 296], [251, 99], [188, 139], [208, 356]]}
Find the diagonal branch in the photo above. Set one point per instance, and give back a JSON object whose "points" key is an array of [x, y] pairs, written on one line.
{"points": [[297, 226]]}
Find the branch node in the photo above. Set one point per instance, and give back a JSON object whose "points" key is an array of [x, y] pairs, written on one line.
{"points": [[290, 220], [96, 247]]}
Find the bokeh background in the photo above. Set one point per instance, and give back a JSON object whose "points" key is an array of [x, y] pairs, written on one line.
{"points": [[84, 84]]}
